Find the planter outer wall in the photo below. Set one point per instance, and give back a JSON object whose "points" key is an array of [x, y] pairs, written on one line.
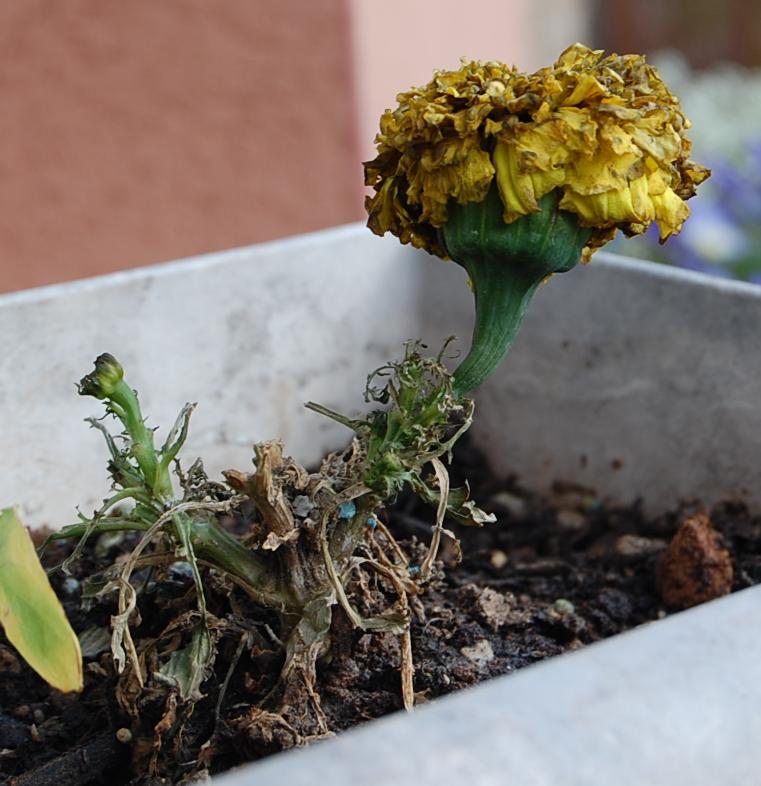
{"points": [[673, 703]]}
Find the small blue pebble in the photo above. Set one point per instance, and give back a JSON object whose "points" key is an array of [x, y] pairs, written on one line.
{"points": [[70, 585], [347, 510], [413, 569], [372, 522], [181, 570]]}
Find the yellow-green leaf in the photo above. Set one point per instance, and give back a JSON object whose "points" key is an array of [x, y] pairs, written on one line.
{"points": [[30, 612]]}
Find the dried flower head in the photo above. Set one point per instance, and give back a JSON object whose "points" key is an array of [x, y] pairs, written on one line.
{"points": [[605, 131]]}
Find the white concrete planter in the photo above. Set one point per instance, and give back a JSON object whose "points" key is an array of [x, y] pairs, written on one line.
{"points": [[654, 368]]}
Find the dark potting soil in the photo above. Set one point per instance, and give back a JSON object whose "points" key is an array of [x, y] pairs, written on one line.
{"points": [[555, 573]]}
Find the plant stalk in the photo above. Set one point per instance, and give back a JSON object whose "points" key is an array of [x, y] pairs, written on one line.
{"points": [[502, 294], [506, 263], [215, 545]]}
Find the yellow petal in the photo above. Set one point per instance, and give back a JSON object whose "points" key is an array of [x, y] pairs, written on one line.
{"points": [[598, 174], [542, 147], [587, 87], [670, 213], [576, 55], [619, 140], [515, 188], [578, 129], [643, 209], [454, 169], [662, 144], [630, 204]]}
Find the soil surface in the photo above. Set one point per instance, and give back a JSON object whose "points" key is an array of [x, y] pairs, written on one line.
{"points": [[555, 573]]}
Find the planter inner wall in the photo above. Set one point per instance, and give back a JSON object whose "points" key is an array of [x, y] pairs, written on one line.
{"points": [[619, 362], [249, 334], [632, 378]]}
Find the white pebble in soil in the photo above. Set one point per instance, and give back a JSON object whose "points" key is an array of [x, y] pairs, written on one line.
{"points": [[480, 653]]}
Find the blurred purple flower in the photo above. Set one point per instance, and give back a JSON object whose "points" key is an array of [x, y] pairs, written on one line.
{"points": [[738, 187], [711, 234]]}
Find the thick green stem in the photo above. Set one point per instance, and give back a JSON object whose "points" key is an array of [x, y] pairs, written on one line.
{"points": [[214, 544], [506, 263], [143, 448], [502, 296]]}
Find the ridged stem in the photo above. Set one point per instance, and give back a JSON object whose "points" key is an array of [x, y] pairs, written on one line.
{"points": [[502, 297], [506, 263]]}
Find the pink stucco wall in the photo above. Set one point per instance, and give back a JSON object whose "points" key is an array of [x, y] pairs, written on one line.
{"points": [[134, 132]]}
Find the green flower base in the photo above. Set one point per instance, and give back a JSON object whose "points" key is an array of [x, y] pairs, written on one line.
{"points": [[506, 263]]}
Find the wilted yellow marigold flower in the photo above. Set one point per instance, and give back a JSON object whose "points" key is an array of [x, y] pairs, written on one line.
{"points": [[605, 131]]}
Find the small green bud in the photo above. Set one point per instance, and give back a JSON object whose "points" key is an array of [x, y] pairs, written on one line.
{"points": [[102, 382]]}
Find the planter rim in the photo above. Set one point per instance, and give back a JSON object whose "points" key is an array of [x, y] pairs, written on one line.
{"points": [[304, 241], [671, 273]]}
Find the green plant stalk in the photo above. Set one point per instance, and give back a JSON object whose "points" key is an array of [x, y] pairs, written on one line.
{"points": [[215, 545], [505, 264], [502, 295], [110, 524], [211, 542], [125, 403]]}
